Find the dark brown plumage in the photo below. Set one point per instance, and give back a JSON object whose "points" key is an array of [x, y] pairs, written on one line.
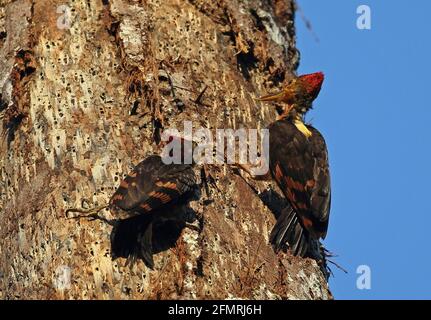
{"points": [[152, 193], [299, 164]]}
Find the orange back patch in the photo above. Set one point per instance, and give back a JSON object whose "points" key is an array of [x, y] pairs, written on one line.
{"points": [[308, 224], [117, 197], [310, 184], [294, 184], [146, 207], [167, 185], [133, 174], [161, 196], [278, 173]]}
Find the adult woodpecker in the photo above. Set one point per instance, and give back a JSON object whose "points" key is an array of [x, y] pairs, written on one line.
{"points": [[298, 162], [152, 193]]}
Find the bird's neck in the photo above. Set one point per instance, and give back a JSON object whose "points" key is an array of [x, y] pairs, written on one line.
{"points": [[297, 119], [290, 112]]}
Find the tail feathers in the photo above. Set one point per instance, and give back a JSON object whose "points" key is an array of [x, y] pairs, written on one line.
{"points": [[146, 245], [289, 234], [132, 239]]}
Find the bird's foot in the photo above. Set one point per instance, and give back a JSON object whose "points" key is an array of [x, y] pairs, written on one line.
{"points": [[91, 214], [251, 170], [192, 226]]}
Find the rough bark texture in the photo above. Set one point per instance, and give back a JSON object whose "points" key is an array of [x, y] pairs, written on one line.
{"points": [[80, 106]]}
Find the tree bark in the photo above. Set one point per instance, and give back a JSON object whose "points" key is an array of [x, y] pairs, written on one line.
{"points": [[84, 99]]}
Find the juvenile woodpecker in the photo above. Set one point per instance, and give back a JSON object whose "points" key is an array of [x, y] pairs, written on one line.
{"points": [[152, 193]]}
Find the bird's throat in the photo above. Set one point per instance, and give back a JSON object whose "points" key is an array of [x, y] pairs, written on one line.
{"points": [[299, 124], [296, 118]]}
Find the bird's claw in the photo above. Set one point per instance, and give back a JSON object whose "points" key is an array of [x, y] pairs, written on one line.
{"points": [[191, 226]]}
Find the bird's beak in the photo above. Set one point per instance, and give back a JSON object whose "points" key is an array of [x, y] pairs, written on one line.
{"points": [[278, 97]]}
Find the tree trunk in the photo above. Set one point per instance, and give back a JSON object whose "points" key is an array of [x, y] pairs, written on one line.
{"points": [[84, 97]]}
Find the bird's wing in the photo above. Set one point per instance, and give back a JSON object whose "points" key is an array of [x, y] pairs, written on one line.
{"points": [[300, 167], [321, 193], [153, 184]]}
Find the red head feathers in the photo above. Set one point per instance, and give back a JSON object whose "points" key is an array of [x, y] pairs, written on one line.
{"points": [[313, 83]]}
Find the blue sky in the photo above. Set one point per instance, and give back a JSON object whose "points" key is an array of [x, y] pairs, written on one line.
{"points": [[375, 114]]}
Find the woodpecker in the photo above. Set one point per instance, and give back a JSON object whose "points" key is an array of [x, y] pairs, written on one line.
{"points": [[298, 162], [152, 193]]}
